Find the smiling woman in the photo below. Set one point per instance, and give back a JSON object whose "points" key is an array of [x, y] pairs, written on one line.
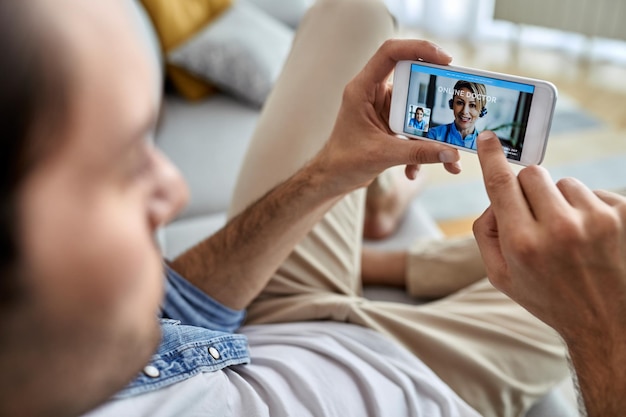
{"points": [[468, 103]]}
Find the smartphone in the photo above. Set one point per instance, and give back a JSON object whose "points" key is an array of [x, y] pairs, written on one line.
{"points": [[453, 104]]}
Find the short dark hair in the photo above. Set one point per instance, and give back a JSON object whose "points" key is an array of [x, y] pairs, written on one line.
{"points": [[32, 103]]}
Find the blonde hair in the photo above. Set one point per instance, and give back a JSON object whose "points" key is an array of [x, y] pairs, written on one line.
{"points": [[479, 90]]}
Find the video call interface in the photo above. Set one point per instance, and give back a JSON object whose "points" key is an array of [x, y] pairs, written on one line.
{"points": [[453, 107]]}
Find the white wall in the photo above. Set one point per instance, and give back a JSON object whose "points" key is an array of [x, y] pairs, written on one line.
{"points": [[472, 20]]}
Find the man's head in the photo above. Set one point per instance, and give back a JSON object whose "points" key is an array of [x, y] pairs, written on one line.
{"points": [[419, 114], [82, 193]]}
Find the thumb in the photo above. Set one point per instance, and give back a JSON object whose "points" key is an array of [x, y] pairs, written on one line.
{"points": [[418, 152]]}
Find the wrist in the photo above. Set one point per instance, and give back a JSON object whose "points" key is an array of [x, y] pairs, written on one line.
{"points": [[341, 171], [599, 363], [324, 182]]}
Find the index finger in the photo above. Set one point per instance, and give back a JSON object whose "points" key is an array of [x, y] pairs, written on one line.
{"points": [[385, 59], [503, 188]]}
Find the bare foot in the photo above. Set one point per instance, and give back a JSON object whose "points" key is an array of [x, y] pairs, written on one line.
{"points": [[438, 267], [386, 203], [429, 269]]}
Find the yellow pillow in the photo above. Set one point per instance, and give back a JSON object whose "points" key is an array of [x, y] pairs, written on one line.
{"points": [[176, 21], [188, 85]]}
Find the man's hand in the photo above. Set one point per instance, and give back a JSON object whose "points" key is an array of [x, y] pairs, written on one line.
{"points": [[235, 264], [559, 250], [361, 144]]}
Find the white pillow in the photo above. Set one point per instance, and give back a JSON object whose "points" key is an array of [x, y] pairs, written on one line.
{"points": [[242, 52]]}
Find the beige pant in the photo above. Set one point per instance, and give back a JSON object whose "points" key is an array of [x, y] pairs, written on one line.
{"points": [[493, 353]]}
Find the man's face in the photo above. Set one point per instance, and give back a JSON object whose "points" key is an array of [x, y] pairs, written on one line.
{"points": [[89, 211], [419, 115], [465, 110]]}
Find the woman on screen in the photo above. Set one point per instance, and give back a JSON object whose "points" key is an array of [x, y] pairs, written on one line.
{"points": [[467, 105]]}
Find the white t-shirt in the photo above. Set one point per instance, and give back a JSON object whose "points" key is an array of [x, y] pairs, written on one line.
{"points": [[315, 369]]}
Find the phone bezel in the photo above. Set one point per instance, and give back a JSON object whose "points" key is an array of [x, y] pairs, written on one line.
{"points": [[539, 120]]}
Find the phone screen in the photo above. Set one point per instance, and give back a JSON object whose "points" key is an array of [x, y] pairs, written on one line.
{"points": [[453, 107]]}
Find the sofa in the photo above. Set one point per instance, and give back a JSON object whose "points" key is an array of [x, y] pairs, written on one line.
{"points": [[207, 139]]}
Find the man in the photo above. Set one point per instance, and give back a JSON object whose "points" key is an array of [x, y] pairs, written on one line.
{"points": [[83, 192], [417, 122]]}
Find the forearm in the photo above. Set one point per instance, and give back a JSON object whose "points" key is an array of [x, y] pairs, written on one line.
{"points": [[600, 374], [236, 263]]}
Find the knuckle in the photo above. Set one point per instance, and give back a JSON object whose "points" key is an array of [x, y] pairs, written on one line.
{"points": [[531, 173], [606, 222], [387, 44], [620, 212], [524, 247], [348, 90], [570, 186], [567, 182], [499, 180], [567, 230], [419, 155], [477, 227], [620, 208]]}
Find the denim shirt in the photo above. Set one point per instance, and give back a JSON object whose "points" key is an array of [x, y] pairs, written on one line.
{"points": [[450, 134], [197, 336]]}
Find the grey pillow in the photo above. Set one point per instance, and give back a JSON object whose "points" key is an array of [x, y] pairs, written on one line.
{"points": [[241, 52]]}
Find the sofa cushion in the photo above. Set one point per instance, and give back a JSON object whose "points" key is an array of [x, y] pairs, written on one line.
{"points": [[242, 52], [207, 141]]}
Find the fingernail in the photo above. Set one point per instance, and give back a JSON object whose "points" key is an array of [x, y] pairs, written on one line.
{"points": [[448, 156]]}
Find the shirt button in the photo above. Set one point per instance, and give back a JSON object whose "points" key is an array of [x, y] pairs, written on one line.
{"points": [[151, 371], [214, 353]]}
